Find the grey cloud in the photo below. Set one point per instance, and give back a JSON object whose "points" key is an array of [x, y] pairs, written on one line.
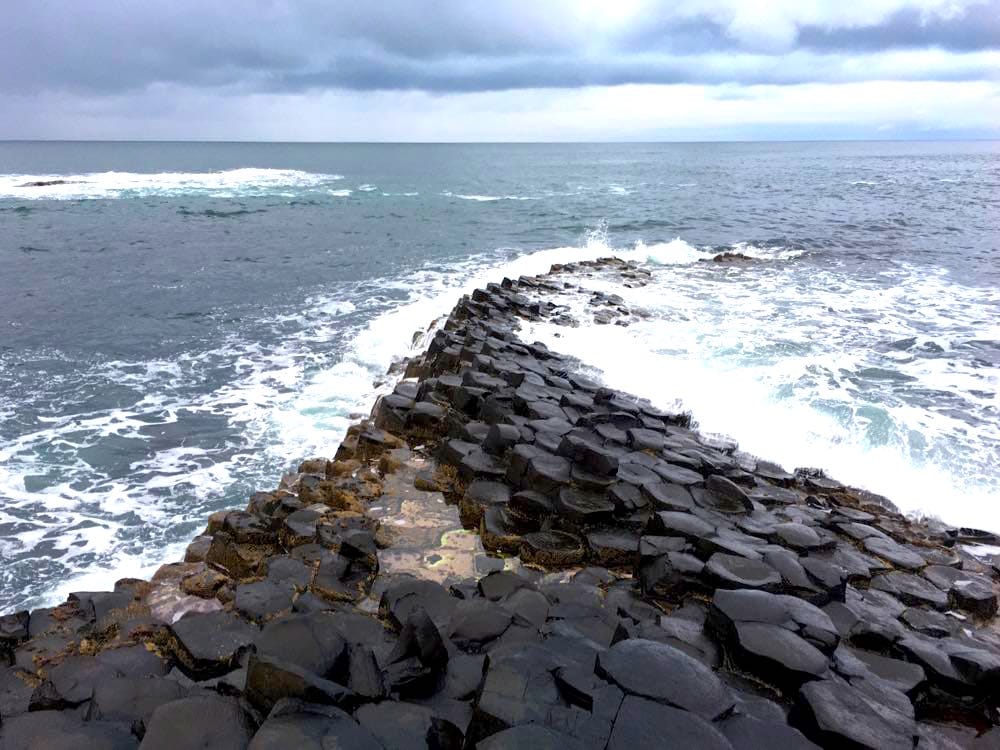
{"points": [[105, 47]]}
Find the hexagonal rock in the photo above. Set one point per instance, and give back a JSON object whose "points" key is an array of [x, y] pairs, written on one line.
{"points": [[677, 474], [270, 680], [294, 724], [263, 600], [894, 552], [666, 675], [546, 473], [531, 736], [612, 547], [835, 714], [479, 496], [735, 572], [312, 641], [644, 724], [725, 496], [787, 612], [552, 549], [406, 594], [63, 730], [968, 591], [753, 733], [402, 726], [476, 622], [668, 497], [210, 643], [583, 507], [132, 699], [544, 683], [902, 675], [203, 720], [929, 622], [911, 589], [797, 536]]}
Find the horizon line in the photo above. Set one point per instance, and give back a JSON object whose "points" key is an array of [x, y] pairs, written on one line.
{"points": [[929, 139]]}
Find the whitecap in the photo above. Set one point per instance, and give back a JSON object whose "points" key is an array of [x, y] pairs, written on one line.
{"points": [[230, 183]]}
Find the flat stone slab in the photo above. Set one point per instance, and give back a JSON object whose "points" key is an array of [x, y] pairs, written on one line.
{"points": [[641, 667]]}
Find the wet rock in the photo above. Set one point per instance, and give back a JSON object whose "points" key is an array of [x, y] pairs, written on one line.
{"points": [[751, 733], [583, 507], [13, 632], [311, 641], [726, 496], [500, 438], [787, 612], [63, 730], [477, 622], [645, 724], [637, 666], [294, 724], [270, 680], [797, 536], [911, 589], [364, 676], [479, 496], [406, 594], [210, 643], [263, 600], [405, 726], [420, 639], [16, 688], [204, 584], [341, 579], [834, 714], [903, 676], [668, 497], [929, 622], [529, 736], [611, 547], [734, 572], [75, 677], [967, 591], [532, 505], [677, 474], [894, 552], [132, 700], [204, 720]]}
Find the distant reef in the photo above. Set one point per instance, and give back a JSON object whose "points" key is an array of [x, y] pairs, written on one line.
{"points": [[509, 555]]}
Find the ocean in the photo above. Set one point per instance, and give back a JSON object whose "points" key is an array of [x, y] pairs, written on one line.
{"points": [[180, 323]]}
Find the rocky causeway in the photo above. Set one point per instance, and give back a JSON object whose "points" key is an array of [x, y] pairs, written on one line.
{"points": [[506, 554]]}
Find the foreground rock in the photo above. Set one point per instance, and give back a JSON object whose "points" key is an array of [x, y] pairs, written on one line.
{"points": [[645, 587]]}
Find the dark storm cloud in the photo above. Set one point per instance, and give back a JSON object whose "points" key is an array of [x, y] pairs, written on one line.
{"points": [[106, 47]]}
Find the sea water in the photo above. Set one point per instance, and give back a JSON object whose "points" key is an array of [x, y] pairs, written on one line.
{"points": [[181, 323]]}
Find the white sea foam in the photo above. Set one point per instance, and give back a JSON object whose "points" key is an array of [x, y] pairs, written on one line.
{"points": [[231, 183], [789, 364], [486, 198]]}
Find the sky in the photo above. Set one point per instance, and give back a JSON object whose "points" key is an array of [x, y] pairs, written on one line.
{"points": [[505, 70]]}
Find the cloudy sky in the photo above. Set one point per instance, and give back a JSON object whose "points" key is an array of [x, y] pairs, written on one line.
{"points": [[447, 70]]}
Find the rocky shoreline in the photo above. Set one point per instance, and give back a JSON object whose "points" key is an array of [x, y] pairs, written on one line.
{"points": [[508, 555]]}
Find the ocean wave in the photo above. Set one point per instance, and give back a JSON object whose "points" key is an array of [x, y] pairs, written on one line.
{"points": [[486, 198], [793, 367], [231, 183]]}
